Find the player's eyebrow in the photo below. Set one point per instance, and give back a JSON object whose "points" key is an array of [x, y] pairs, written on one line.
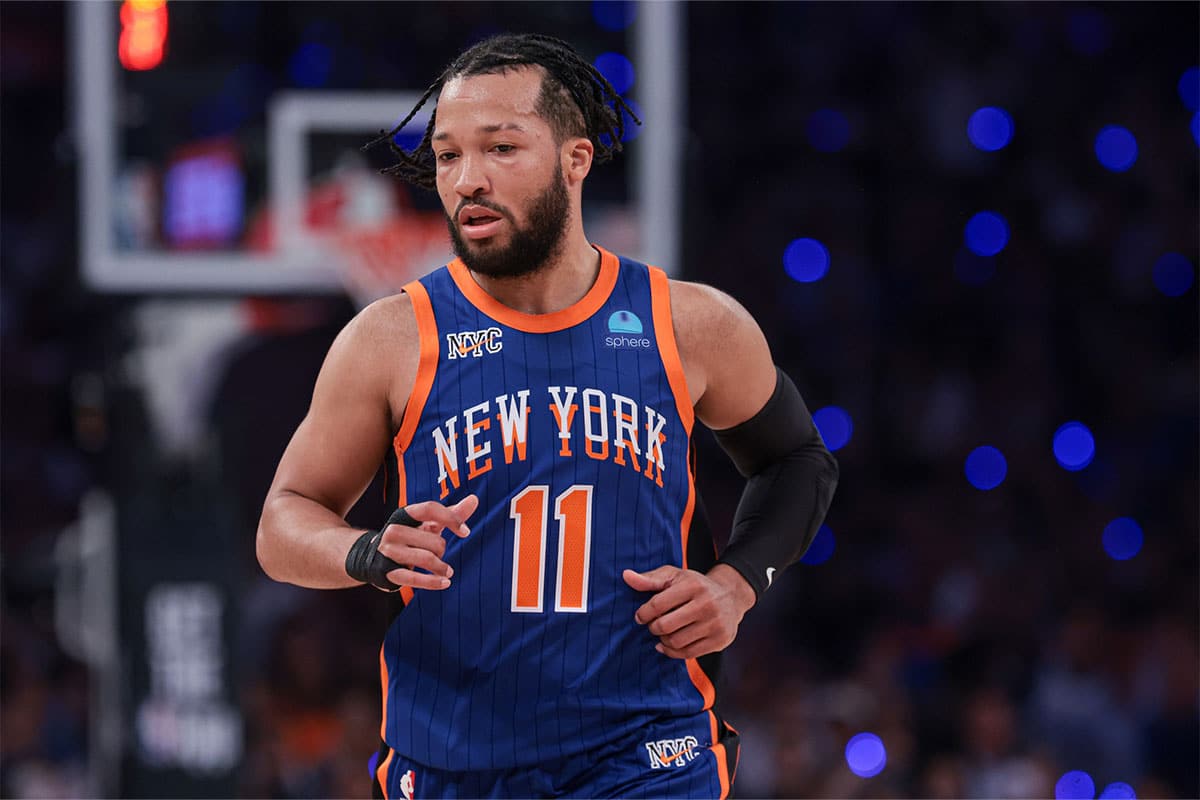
{"points": [[503, 126]]}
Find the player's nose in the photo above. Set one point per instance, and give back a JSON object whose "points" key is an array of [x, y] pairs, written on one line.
{"points": [[472, 177]]}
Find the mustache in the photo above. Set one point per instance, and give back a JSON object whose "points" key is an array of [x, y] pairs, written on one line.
{"points": [[501, 210]]}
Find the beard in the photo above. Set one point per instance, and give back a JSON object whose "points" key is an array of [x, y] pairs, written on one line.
{"points": [[529, 248]]}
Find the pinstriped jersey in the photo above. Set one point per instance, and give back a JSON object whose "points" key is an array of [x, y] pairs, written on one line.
{"points": [[573, 428]]}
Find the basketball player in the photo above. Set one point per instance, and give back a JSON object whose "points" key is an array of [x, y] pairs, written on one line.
{"points": [[538, 395]]}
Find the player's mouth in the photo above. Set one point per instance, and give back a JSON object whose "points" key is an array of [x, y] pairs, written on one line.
{"points": [[478, 222]]}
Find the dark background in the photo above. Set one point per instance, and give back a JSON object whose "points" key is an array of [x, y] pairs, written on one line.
{"points": [[986, 637]]}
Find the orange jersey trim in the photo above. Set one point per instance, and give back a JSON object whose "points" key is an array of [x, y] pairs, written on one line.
{"points": [[574, 314], [383, 679], [381, 773], [402, 476], [722, 768], [426, 366], [422, 385], [664, 332]]}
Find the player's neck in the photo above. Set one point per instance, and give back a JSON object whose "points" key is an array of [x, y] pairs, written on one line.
{"points": [[559, 284]]}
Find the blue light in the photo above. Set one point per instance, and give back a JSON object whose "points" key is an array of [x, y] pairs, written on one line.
{"points": [[835, 426], [632, 129], [408, 139], [1118, 791], [618, 69], [311, 65], [1196, 127], [972, 269], [828, 130], [990, 128], [806, 260], [1116, 148], [1074, 446], [1173, 274], [1189, 88], [986, 233], [1075, 785], [865, 755], [986, 468], [614, 15], [1090, 33], [821, 549], [203, 200], [1122, 538]]}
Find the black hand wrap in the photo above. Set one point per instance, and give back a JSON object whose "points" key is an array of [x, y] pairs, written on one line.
{"points": [[365, 563], [791, 480]]}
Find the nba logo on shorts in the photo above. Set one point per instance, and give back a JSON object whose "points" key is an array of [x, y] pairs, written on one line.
{"points": [[406, 784]]}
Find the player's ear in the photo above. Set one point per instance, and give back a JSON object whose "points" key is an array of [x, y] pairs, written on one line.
{"points": [[577, 153]]}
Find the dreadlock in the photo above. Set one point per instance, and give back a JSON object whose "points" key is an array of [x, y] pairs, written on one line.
{"points": [[594, 111]]}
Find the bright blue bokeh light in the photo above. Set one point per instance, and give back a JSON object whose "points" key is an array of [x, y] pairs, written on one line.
{"points": [[828, 130], [1189, 88], [986, 233], [618, 69], [822, 547], [614, 15], [1075, 785], [1116, 148], [986, 468], [1173, 274], [1074, 446], [972, 269], [806, 260], [1090, 32], [990, 128], [1196, 127], [632, 129], [865, 755], [408, 138], [835, 426], [311, 65], [1123, 538], [1118, 791]]}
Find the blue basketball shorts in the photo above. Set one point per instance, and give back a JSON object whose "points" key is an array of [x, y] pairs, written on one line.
{"points": [[673, 758]]}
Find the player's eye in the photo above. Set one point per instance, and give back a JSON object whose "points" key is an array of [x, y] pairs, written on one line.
{"points": [[446, 155], [504, 148]]}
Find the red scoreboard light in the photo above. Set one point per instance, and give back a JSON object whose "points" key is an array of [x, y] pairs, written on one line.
{"points": [[143, 33]]}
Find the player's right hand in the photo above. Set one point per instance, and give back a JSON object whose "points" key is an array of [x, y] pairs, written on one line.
{"points": [[422, 548]]}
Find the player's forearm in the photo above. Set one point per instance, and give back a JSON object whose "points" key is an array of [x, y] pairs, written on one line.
{"points": [[779, 514], [302, 542], [791, 478]]}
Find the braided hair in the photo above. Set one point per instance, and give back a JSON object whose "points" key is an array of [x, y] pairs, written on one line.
{"points": [[575, 98]]}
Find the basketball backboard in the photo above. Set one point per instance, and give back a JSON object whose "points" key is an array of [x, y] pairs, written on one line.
{"points": [[240, 171]]}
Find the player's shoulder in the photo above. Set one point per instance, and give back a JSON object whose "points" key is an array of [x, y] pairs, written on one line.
{"points": [[704, 314], [387, 321]]}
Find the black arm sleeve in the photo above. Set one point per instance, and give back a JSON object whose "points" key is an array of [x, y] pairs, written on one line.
{"points": [[791, 479]]}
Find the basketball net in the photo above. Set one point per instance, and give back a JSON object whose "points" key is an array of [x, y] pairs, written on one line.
{"points": [[378, 244], [362, 226], [377, 260]]}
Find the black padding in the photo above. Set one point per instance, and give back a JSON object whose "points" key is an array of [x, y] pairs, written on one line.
{"points": [[791, 478], [365, 563], [781, 425]]}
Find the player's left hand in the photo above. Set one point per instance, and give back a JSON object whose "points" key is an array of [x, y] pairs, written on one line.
{"points": [[691, 613]]}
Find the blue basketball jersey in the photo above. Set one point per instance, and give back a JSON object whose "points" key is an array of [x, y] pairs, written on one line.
{"points": [[573, 428]]}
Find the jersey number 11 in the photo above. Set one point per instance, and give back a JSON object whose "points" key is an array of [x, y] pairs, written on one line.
{"points": [[573, 510]]}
